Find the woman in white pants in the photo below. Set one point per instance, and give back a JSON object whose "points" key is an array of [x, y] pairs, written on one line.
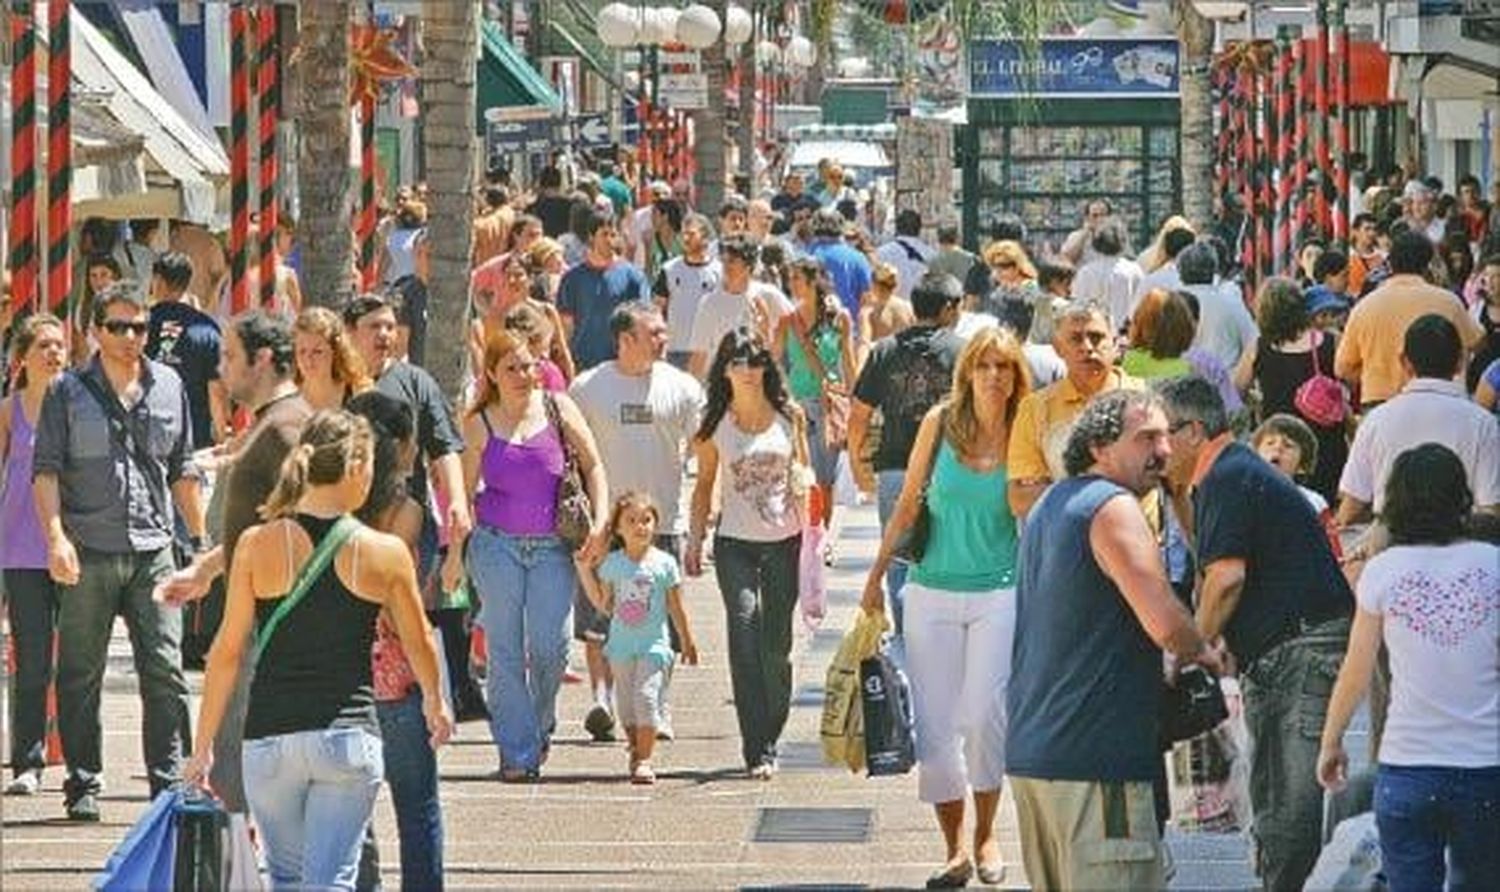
{"points": [[960, 598]]}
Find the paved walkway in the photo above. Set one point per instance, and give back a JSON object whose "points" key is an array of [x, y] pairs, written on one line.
{"points": [[584, 826]]}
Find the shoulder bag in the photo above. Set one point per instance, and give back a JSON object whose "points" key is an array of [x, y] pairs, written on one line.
{"points": [[316, 564], [575, 512], [913, 543], [835, 431], [1321, 399]]}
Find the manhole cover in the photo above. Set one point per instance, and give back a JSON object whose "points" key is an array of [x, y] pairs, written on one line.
{"points": [[849, 825], [802, 756]]}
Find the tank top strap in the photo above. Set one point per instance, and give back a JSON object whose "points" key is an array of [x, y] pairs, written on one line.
{"points": [[484, 416]]}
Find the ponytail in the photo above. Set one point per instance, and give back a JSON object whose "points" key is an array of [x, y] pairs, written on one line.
{"points": [[332, 442]]}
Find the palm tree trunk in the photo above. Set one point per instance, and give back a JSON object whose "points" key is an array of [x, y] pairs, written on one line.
{"points": [[708, 126], [449, 70], [1196, 35], [325, 182]]}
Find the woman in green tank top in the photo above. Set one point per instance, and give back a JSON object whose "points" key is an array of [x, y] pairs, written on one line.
{"points": [[815, 346], [960, 598]]}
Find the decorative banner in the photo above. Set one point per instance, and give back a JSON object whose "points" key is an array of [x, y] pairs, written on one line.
{"points": [[940, 66], [1074, 66]]}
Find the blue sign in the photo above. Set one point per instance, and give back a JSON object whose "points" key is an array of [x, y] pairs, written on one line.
{"points": [[505, 137], [1074, 66]]}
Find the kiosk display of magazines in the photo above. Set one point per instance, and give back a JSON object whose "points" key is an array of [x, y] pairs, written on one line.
{"points": [[1084, 118]]}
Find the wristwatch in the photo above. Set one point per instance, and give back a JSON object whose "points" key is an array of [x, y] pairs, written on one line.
{"points": [[198, 544]]}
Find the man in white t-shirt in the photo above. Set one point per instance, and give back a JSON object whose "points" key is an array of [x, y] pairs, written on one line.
{"points": [[741, 300], [1111, 279], [907, 252], [684, 282], [643, 414], [642, 225]]}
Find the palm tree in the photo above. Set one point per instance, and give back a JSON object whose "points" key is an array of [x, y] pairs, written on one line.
{"points": [[449, 70], [1196, 36], [325, 183], [708, 125]]}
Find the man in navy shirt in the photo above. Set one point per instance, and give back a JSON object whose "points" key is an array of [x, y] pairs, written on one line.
{"points": [[589, 292], [1274, 590], [187, 339]]}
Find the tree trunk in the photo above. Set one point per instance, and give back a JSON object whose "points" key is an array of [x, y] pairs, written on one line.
{"points": [[708, 127], [325, 181], [449, 70], [1196, 35]]}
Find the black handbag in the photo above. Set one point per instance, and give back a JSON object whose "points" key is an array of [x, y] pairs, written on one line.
{"points": [[913, 543], [886, 707], [1193, 706]]}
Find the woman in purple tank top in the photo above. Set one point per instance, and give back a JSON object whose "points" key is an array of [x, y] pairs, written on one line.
{"points": [[30, 593], [524, 573]]}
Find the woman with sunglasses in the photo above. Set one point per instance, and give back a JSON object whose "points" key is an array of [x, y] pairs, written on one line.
{"points": [[753, 430], [960, 598], [1014, 292], [516, 441], [31, 595]]}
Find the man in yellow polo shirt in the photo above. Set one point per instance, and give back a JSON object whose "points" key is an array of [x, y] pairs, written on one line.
{"points": [[1084, 338]]}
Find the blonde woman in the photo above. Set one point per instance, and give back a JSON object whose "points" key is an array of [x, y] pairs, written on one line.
{"points": [[960, 599], [329, 370], [883, 312], [1014, 293], [313, 756]]}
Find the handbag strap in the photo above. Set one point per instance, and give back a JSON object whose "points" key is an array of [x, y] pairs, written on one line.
{"points": [[809, 349], [932, 461], [554, 418], [1317, 344], [321, 557]]}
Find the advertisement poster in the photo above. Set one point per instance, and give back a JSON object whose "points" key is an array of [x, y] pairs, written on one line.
{"points": [[1074, 66]]}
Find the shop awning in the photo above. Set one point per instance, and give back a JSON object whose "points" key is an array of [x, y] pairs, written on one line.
{"points": [[506, 79], [184, 168]]}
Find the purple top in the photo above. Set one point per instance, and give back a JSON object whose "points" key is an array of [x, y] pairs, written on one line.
{"points": [[22, 547], [519, 497]]}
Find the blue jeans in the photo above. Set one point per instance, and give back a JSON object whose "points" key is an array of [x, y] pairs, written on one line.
{"points": [[1425, 813], [825, 460], [411, 770], [311, 793], [888, 492], [525, 587], [111, 584], [758, 581]]}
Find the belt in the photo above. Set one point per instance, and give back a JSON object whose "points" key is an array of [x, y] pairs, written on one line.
{"points": [[1298, 627]]}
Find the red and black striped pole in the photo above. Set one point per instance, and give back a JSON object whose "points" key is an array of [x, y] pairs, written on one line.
{"points": [[1244, 92], [239, 158], [59, 153], [23, 222], [1320, 98], [366, 224], [268, 95], [1286, 126], [1265, 147], [1302, 206], [1341, 119], [1220, 85]]}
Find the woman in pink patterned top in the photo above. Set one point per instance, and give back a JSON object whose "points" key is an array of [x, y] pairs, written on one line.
{"points": [[410, 763]]}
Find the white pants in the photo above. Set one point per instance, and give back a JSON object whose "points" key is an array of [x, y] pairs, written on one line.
{"points": [[958, 648]]}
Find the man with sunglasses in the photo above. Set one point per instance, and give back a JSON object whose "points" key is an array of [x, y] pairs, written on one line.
{"points": [[113, 459]]}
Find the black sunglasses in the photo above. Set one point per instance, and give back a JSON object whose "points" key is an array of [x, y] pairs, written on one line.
{"points": [[119, 327], [759, 360]]}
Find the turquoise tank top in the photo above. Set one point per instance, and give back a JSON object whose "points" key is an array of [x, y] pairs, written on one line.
{"points": [[971, 542], [801, 380]]}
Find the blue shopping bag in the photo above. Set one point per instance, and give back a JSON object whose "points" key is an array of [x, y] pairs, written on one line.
{"points": [[144, 860]]}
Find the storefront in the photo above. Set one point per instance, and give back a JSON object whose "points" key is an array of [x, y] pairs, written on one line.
{"points": [[1084, 118]]}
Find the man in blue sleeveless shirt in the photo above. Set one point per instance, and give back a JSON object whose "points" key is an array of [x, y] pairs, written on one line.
{"points": [[1094, 611]]}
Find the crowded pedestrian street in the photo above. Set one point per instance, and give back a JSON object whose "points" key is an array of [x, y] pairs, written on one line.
{"points": [[749, 444]]}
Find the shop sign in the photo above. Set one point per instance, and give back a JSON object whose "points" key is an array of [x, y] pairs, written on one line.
{"points": [[1074, 67]]}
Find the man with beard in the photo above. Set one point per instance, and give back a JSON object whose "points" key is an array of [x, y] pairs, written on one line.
{"points": [[1094, 611], [256, 366]]}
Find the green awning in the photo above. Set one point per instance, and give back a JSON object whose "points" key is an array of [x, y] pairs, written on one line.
{"points": [[506, 79]]}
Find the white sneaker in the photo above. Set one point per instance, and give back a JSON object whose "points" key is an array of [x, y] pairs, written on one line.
{"points": [[28, 783]]}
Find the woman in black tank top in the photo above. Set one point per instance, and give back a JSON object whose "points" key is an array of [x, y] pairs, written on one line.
{"points": [[313, 756]]}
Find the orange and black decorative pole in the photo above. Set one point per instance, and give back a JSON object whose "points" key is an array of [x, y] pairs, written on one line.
{"points": [[239, 158], [59, 153], [23, 222], [268, 93]]}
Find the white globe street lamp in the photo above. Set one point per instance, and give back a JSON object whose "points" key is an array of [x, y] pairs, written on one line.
{"points": [[698, 27], [800, 52], [619, 25], [737, 25]]}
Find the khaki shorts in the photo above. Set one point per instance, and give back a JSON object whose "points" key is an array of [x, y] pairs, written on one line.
{"points": [[1078, 835]]}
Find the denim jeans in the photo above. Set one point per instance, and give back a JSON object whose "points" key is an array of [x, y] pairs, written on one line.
{"points": [[525, 587], [824, 459], [31, 603], [1286, 699], [311, 793], [758, 581], [411, 771], [888, 492], [1437, 825], [111, 584]]}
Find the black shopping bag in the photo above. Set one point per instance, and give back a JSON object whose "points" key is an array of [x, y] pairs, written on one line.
{"points": [[202, 846], [885, 696]]}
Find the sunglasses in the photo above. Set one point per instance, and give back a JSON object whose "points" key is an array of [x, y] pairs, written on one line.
{"points": [[753, 361], [120, 327]]}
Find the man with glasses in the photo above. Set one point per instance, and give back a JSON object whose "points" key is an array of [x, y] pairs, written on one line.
{"points": [[113, 458]]}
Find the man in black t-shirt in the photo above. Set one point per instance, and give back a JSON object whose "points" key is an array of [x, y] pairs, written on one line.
{"points": [[188, 340], [906, 375], [1274, 590]]}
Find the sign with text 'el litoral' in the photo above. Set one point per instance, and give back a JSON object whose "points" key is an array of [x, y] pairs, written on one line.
{"points": [[1074, 67]]}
